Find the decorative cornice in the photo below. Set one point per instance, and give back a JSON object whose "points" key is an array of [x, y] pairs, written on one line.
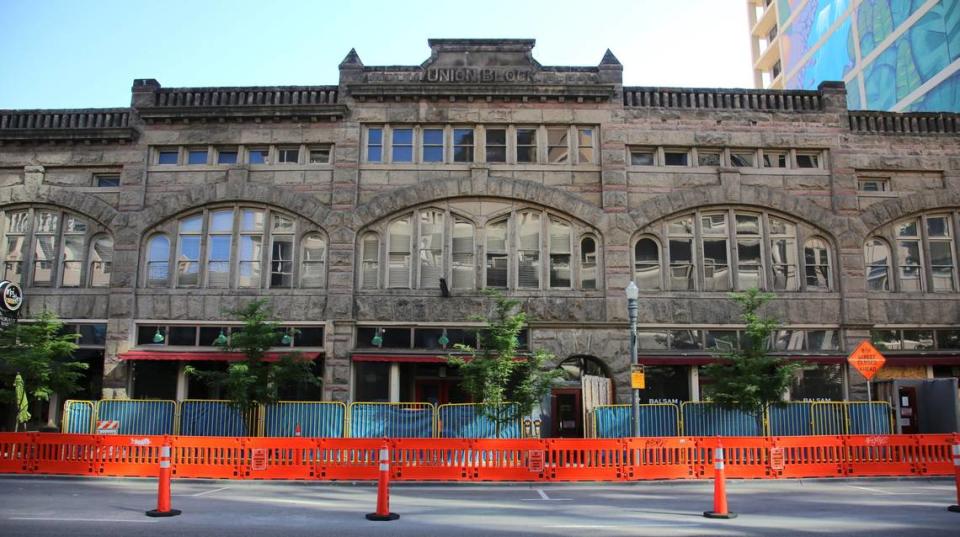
{"points": [[68, 125]]}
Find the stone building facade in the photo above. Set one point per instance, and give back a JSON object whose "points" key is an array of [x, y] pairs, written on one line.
{"points": [[345, 205]]}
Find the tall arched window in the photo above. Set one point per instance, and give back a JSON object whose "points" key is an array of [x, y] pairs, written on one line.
{"points": [[47, 247], [528, 250], [560, 252], [646, 264], [430, 248], [497, 257], [683, 273], [462, 258], [189, 239], [876, 257], [101, 261], [158, 264], [314, 260], [249, 249], [783, 254], [281, 251], [219, 247], [716, 263], [588, 262], [398, 258], [816, 260], [370, 264]]}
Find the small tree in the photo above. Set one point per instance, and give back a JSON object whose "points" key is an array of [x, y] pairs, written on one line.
{"points": [[494, 375], [253, 380], [748, 378], [43, 355]]}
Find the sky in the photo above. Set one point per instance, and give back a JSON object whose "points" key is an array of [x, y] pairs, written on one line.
{"points": [[86, 53]]}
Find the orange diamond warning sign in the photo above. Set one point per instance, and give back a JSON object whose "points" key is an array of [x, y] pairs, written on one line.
{"points": [[867, 359]]}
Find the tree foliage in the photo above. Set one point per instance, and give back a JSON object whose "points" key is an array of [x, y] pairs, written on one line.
{"points": [[43, 355], [494, 374], [254, 380], [748, 377]]}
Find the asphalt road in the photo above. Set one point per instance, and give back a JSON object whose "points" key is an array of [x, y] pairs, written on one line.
{"points": [[38, 506]]}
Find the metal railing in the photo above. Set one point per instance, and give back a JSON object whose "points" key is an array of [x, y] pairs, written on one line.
{"points": [[467, 420]]}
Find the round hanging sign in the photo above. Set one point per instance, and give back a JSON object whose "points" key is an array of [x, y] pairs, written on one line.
{"points": [[11, 296]]}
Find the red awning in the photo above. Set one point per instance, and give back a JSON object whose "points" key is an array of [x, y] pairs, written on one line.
{"points": [[403, 358], [900, 360], [703, 359], [204, 356]]}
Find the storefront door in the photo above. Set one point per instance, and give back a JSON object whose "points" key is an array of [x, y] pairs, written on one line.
{"points": [[567, 415], [436, 391]]}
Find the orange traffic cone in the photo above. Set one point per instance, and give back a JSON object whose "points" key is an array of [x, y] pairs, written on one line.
{"points": [[719, 488], [296, 430], [383, 490], [163, 490]]}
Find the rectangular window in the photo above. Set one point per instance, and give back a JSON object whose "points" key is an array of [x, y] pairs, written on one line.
{"points": [[430, 246], [308, 336], [917, 340], [188, 262], [808, 159], [528, 251], [748, 251], [168, 156], [643, 157], [402, 145], [107, 181], [185, 336], [558, 145], [560, 254], [908, 256], [526, 145], [371, 262], [398, 255], [258, 155], [774, 159], [742, 159], [281, 252], [676, 157], [716, 266], [46, 226], [197, 156], [497, 261], [314, 261], [288, 155], [941, 253], [16, 232], [873, 185], [320, 154], [496, 145], [463, 145], [682, 274], [708, 157], [584, 146], [227, 155], [433, 145], [462, 255], [375, 145]]}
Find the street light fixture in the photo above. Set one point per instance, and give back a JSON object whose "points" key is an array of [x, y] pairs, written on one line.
{"points": [[632, 293]]}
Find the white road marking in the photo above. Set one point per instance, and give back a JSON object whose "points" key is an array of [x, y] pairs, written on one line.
{"points": [[204, 493], [543, 494], [885, 492], [59, 519], [544, 498]]}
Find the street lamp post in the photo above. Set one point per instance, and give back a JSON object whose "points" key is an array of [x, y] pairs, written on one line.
{"points": [[632, 294]]}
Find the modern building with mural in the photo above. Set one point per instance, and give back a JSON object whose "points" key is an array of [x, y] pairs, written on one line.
{"points": [[895, 55], [373, 213]]}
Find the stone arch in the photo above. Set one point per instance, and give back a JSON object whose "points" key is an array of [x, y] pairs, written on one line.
{"points": [[81, 203], [394, 201], [843, 232], [891, 210], [170, 206]]}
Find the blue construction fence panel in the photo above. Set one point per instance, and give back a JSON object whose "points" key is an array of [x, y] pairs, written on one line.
{"points": [[139, 417], [213, 418], [469, 421], [655, 420], [714, 420], [829, 419], [873, 418], [78, 416], [791, 419], [376, 420], [316, 420]]}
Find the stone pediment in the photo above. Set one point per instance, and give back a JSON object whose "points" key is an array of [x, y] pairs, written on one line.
{"points": [[479, 68]]}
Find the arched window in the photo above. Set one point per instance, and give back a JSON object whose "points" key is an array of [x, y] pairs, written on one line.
{"points": [[917, 238], [249, 249], [314, 257], [462, 257], [398, 258], [497, 257], [588, 262], [528, 250], [940, 243], [683, 273], [909, 256], [281, 251], [158, 261], [219, 246], [101, 261], [816, 259], [370, 264], [749, 258], [189, 239], [430, 248], [716, 263], [646, 264], [47, 247], [560, 251], [783, 254], [876, 257]]}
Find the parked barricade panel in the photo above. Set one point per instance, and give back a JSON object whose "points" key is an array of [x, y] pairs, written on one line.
{"points": [[66, 454], [275, 458], [508, 460], [710, 419], [350, 458], [469, 421], [139, 417], [130, 456], [429, 460], [216, 418], [316, 419], [659, 458], [209, 457], [393, 420], [17, 453], [585, 459], [613, 421], [808, 456], [78, 417]]}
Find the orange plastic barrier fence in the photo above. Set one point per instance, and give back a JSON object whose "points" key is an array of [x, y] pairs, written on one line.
{"points": [[454, 459]]}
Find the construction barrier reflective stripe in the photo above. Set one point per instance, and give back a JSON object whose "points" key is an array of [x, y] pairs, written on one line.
{"points": [[469, 421], [441, 459], [613, 421], [216, 418], [148, 417], [395, 420], [709, 419], [316, 419], [78, 417]]}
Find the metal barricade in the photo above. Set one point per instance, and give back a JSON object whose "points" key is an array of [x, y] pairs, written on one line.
{"points": [[829, 418], [875, 417], [314, 419], [790, 419], [216, 418], [139, 416], [467, 420], [401, 420], [711, 419], [658, 419], [77, 417]]}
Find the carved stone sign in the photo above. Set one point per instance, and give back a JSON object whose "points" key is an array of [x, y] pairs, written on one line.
{"points": [[474, 75]]}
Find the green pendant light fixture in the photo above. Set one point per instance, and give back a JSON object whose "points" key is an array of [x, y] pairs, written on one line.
{"points": [[221, 339], [444, 340], [377, 338], [286, 340], [158, 337]]}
